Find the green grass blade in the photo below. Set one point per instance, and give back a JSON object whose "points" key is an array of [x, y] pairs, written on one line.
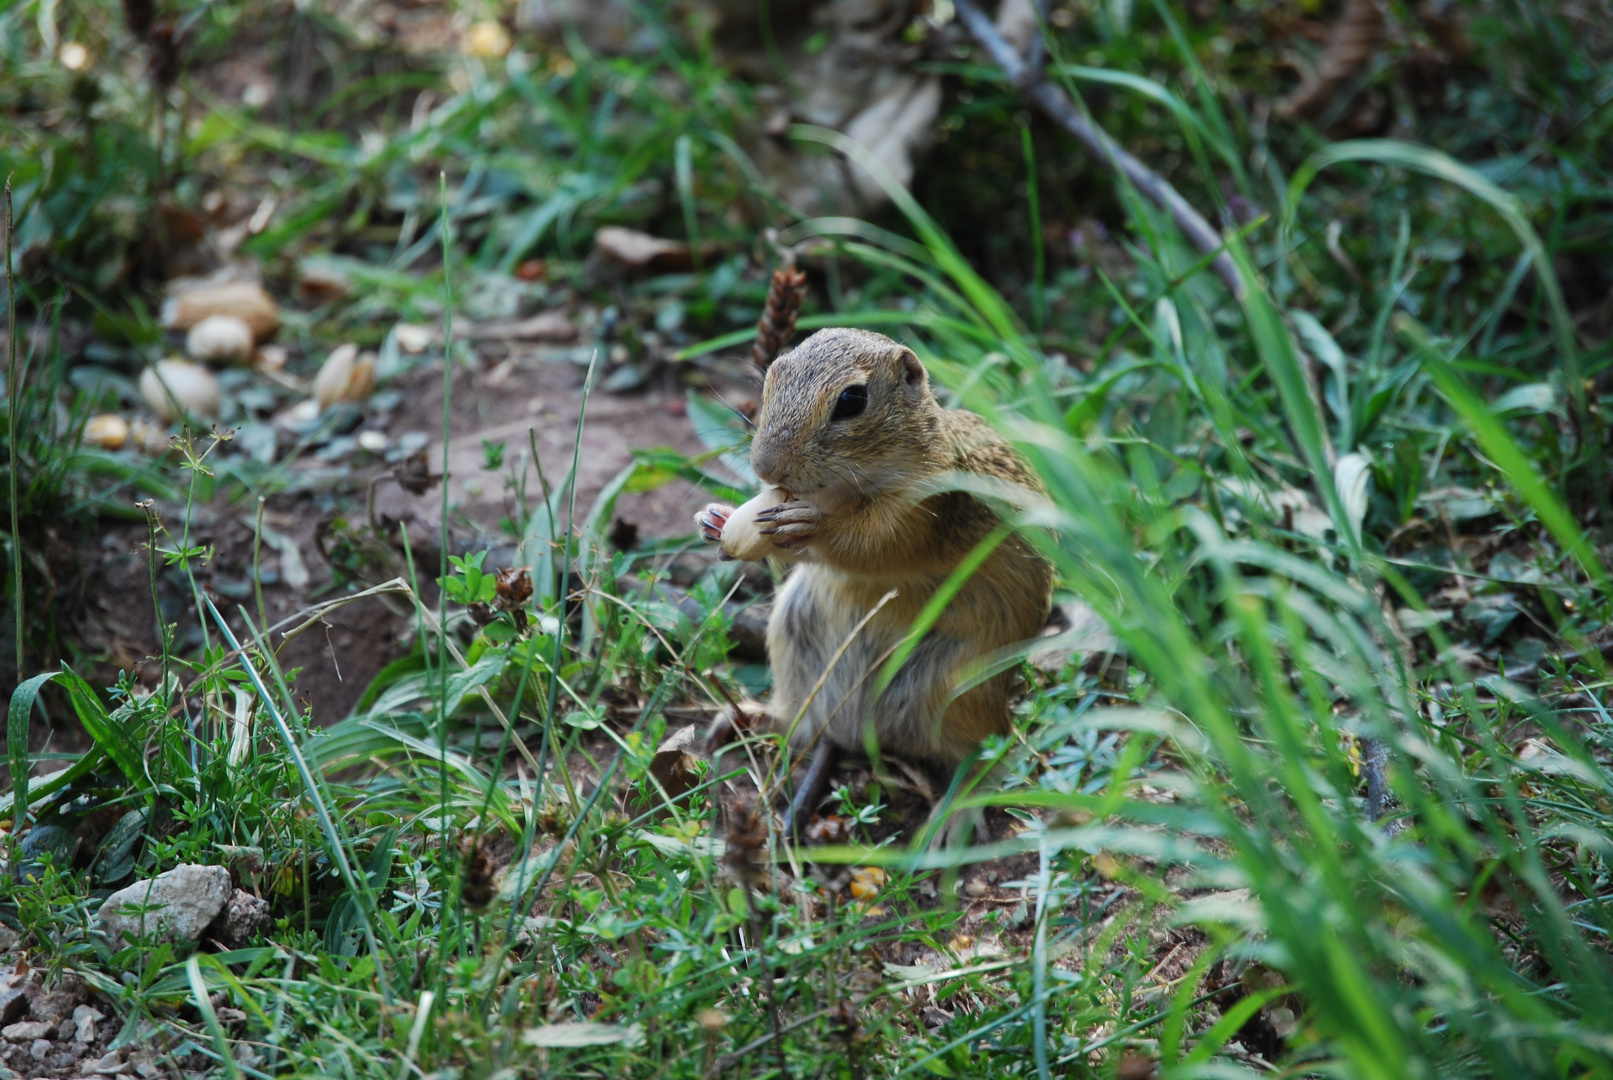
{"points": [[1434, 163], [1504, 450], [333, 838], [1277, 351], [204, 1005], [987, 301], [22, 705]]}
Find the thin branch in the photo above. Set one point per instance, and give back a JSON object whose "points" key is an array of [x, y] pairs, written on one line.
{"points": [[1030, 80]]}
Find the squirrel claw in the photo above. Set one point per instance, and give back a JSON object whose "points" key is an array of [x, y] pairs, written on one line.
{"points": [[791, 524], [711, 520]]}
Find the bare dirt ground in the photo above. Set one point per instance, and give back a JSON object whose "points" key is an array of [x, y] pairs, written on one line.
{"points": [[523, 399]]}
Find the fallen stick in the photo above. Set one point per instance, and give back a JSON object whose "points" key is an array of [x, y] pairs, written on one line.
{"points": [[1031, 81]]}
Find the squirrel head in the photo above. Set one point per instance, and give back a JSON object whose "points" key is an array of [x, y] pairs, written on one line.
{"points": [[846, 415]]}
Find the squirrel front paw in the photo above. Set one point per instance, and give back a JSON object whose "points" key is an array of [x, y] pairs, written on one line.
{"points": [[790, 524], [711, 520]]}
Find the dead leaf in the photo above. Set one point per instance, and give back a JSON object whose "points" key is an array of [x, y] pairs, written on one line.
{"points": [[1353, 42], [640, 250], [549, 326], [828, 829], [247, 301], [1135, 1066], [319, 283], [674, 767]]}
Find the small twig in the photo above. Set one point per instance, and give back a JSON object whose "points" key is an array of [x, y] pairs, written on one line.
{"points": [[1031, 81]]}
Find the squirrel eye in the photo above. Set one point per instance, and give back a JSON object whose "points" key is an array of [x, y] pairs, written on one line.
{"points": [[853, 400]]}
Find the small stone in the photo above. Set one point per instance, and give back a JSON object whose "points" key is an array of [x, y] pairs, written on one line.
{"points": [[40, 1049], [14, 1002], [58, 1005], [172, 387], [175, 906], [84, 1018], [109, 1064], [27, 1030], [109, 431], [243, 919], [413, 339], [220, 339]]}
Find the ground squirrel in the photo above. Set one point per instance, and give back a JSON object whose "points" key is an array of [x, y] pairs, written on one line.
{"points": [[851, 433]]}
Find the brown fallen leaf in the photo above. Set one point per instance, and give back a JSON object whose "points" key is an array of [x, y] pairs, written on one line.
{"points": [[641, 251], [745, 856], [1350, 46], [244, 300], [319, 284], [674, 766], [549, 326], [1135, 1066], [828, 829], [477, 885], [344, 376]]}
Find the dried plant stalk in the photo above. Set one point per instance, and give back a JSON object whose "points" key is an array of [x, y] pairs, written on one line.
{"points": [[1353, 42], [777, 325]]}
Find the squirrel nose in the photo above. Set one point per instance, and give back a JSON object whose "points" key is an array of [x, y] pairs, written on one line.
{"points": [[766, 461]]}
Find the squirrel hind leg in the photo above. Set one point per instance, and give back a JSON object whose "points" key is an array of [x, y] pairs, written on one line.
{"points": [[918, 714]]}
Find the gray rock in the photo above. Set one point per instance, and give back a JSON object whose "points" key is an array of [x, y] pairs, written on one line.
{"points": [[244, 918], [27, 1030], [84, 1018], [14, 1002], [176, 906], [40, 1050], [57, 1005], [109, 1064]]}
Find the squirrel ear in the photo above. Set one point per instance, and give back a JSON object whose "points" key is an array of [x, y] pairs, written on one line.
{"points": [[913, 373]]}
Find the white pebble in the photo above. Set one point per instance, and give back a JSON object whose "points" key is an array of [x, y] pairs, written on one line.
{"points": [[190, 387], [411, 338], [221, 339]]}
